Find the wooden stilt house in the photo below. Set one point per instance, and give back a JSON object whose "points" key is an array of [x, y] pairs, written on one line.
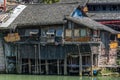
{"points": [[56, 39]]}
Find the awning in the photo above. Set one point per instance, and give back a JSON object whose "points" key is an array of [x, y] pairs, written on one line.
{"points": [[85, 21]]}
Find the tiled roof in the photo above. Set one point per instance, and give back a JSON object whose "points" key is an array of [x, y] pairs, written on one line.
{"points": [[44, 14], [104, 1], [85, 21], [104, 15]]}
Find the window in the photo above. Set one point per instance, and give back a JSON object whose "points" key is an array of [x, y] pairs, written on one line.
{"points": [[103, 7], [83, 32], [112, 37], [69, 25], [80, 32], [68, 33], [29, 32], [43, 32], [50, 32], [76, 32], [59, 32]]}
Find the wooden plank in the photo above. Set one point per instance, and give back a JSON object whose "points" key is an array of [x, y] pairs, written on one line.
{"points": [[37, 66], [19, 62], [46, 66], [58, 68], [29, 64], [91, 64], [35, 60], [20, 65], [17, 58], [80, 62], [39, 58], [65, 66]]}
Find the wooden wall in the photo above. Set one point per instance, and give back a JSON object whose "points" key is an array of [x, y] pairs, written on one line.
{"points": [[2, 58]]}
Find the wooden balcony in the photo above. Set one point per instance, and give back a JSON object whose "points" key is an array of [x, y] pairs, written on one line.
{"points": [[80, 39]]}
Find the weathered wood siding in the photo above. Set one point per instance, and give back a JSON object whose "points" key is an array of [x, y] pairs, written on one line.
{"points": [[46, 52], [2, 58], [51, 51]]}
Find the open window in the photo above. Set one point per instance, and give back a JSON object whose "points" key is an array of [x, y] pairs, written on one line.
{"points": [[80, 32], [31, 32], [43, 33], [77, 32], [68, 33], [50, 33], [59, 35], [83, 32], [59, 32]]}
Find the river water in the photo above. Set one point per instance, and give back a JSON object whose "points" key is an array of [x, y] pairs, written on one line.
{"points": [[51, 77]]}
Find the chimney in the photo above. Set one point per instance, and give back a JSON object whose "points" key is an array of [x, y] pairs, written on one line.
{"points": [[4, 7]]}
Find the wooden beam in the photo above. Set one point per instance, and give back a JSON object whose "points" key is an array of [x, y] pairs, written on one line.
{"points": [[29, 64], [91, 64], [37, 66], [58, 68], [46, 66], [39, 49], [80, 61], [17, 59], [65, 66], [35, 59], [20, 65]]}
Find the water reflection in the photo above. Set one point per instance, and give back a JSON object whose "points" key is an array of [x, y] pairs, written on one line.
{"points": [[51, 77]]}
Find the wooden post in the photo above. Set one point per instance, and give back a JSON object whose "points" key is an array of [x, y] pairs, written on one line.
{"points": [[35, 60], [29, 64], [19, 61], [80, 61], [39, 58], [99, 54], [20, 65], [72, 25], [91, 64], [37, 66], [46, 66], [6, 62], [17, 64], [65, 66], [58, 68]]}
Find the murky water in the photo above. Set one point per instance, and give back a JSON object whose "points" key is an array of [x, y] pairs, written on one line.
{"points": [[39, 77]]}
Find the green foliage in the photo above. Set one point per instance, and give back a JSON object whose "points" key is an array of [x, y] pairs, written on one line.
{"points": [[118, 61], [105, 70], [50, 1]]}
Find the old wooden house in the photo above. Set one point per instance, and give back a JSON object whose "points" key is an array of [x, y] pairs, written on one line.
{"points": [[107, 12], [56, 39]]}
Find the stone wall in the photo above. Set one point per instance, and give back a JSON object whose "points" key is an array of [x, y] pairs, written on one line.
{"points": [[112, 56], [102, 57]]}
